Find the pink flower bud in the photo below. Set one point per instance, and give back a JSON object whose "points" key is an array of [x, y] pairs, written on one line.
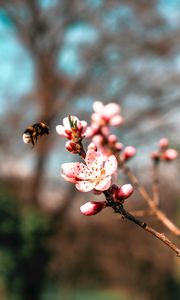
{"points": [[129, 152], [72, 147], [124, 192], [112, 139], [119, 146], [68, 132], [92, 208], [163, 143], [170, 154]]}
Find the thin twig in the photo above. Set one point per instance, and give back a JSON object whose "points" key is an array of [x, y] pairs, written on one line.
{"points": [[142, 213], [160, 236], [118, 208], [157, 212], [155, 184]]}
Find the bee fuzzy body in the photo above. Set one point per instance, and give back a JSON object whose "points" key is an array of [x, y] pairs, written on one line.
{"points": [[34, 132]]}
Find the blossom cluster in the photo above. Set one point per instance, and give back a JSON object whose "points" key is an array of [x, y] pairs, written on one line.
{"points": [[105, 153]]}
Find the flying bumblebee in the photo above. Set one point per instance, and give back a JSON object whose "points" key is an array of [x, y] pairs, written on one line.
{"points": [[33, 132]]}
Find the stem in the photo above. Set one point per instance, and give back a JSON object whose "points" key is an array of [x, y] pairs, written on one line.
{"points": [[82, 152], [118, 208], [149, 229], [157, 212], [155, 184], [142, 213]]}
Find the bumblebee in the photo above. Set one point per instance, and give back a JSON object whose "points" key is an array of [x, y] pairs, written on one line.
{"points": [[33, 132]]}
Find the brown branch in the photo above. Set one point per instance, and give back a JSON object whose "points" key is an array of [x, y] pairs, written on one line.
{"points": [[155, 184], [142, 213], [160, 236], [118, 208], [157, 212]]}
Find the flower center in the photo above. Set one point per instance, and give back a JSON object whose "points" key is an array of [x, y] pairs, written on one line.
{"points": [[98, 178], [103, 172]]}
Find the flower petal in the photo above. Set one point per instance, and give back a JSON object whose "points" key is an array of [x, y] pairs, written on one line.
{"points": [[116, 120], [61, 130], [72, 170], [94, 161], [110, 165], [111, 109], [66, 123], [70, 179], [82, 124], [98, 107], [96, 118], [85, 186], [104, 184]]}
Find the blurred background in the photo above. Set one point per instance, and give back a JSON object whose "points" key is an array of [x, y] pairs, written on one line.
{"points": [[56, 58]]}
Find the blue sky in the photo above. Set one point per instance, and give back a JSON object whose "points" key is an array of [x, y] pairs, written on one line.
{"points": [[17, 70]]}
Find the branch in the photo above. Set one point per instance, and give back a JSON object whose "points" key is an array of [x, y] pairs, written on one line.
{"points": [[142, 213], [118, 208], [157, 212], [160, 236], [155, 184]]}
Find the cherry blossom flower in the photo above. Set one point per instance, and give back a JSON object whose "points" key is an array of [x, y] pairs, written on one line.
{"points": [[72, 128], [92, 207], [96, 174], [108, 114]]}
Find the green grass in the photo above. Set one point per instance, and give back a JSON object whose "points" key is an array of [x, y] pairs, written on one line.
{"points": [[83, 295]]}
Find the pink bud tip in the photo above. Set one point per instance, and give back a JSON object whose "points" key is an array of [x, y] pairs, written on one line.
{"points": [[125, 191], [163, 143], [72, 147], [92, 208], [170, 154], [118, 146], [112, 139], [129, 152]]}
